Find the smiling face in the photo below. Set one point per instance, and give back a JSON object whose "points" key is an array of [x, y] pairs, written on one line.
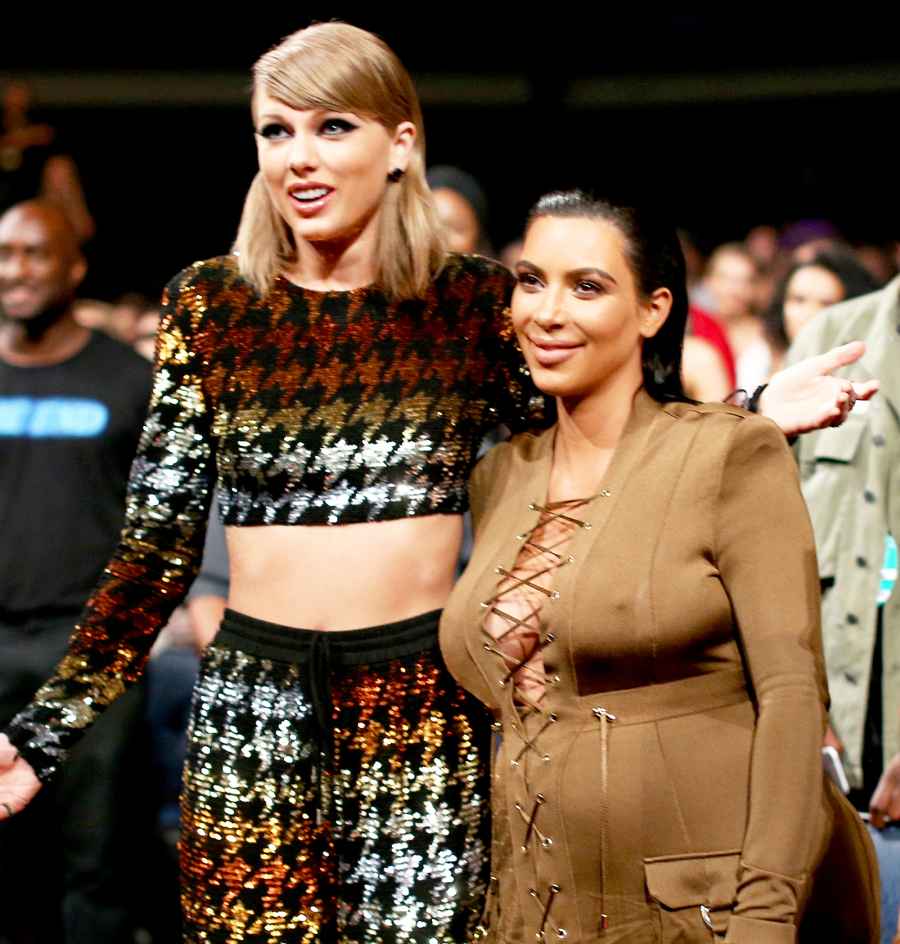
{"points": [[578, 315], [325, 171], [40, 265], [809, 290]]}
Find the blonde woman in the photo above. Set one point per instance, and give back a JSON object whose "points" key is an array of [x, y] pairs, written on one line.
{"points": [[331, 380], [335, 376]]}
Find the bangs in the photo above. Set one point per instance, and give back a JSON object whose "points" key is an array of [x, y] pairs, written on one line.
{"points": [[330, 74]]}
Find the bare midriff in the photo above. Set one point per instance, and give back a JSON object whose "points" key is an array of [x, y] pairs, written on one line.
{"points": [[343, 576]]}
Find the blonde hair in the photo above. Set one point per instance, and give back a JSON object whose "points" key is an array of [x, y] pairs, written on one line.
{"points": [[338, 67]]}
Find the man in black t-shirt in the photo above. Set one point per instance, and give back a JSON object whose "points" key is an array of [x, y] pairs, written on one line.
{"points": [[71, 406]]}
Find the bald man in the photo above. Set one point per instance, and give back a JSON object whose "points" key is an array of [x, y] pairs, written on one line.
{"points": [[72, 403]]}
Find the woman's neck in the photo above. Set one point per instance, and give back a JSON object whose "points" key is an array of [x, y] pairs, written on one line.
{"points": [[588, 431], [335, 265]]}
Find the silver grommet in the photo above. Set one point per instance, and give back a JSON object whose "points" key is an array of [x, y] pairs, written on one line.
{"points": [[704, 913]]}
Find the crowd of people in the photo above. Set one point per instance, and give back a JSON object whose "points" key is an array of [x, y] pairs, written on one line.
{"points": [[655, 740]]}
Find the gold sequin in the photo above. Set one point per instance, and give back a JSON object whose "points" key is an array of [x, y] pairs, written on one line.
{"points": [[300, 408]]}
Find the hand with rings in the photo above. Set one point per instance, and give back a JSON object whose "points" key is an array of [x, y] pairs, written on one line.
{"points": [[805, 396], [18, 782]]}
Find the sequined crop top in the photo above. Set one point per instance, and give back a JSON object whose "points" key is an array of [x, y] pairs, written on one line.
{"points": [[302, 407]]}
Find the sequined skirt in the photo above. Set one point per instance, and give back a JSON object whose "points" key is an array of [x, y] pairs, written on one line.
{"points": [[335, 789]]}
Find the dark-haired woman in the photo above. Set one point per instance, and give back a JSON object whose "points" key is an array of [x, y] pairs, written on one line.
{"points": [[641, 615], [833, 275]]}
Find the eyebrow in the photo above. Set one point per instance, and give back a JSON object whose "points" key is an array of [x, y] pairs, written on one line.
{"points": [[575, 274], [592, 270]]}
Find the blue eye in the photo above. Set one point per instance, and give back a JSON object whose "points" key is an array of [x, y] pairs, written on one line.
{"points": [[336, 126], [273, 130]]}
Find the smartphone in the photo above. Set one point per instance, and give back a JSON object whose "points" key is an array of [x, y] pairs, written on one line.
{"points": [[831, 761]]}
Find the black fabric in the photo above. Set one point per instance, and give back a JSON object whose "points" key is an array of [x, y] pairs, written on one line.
{"points": [[68, 433], [62, 858]]}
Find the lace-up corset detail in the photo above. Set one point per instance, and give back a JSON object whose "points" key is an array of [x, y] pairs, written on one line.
{"points": [[515, 635], [512, 621]]}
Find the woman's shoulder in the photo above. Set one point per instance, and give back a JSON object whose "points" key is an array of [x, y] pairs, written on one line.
{"points": [[713, 414], [210, 287], [207, 274], [723, 426], [506, 461]]}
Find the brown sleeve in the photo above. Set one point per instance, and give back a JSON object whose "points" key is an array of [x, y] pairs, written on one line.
{"points": [[766, 557]]}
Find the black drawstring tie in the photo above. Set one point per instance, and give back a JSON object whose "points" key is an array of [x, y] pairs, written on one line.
{"points": [[320, 689]]}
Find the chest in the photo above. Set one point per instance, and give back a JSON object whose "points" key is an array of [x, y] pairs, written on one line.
{"points": [[637, 597]]}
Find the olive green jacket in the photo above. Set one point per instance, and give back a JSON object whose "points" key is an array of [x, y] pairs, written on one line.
{"points": [[851, 482]]}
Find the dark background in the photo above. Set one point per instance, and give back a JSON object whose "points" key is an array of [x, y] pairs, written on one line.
{"points": [[727, 120]]}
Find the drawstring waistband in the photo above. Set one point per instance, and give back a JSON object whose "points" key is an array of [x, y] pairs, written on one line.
{"points": [[325, 652]]}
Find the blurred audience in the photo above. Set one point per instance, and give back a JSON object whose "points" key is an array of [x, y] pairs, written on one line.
{"points": [[732, 283], [462, 207], [880, 261], [72, 403], [511, 253], [32, 164], [801, 240], [145, 328], [832, 275]]}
